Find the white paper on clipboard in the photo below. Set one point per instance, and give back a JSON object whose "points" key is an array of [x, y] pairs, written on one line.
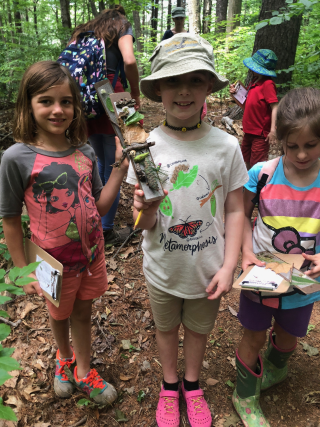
{"points": [[241, 94], [48, 277]]}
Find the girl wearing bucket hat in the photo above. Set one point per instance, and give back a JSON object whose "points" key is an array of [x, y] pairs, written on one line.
{"points": [[189, 256], [260, 107]]}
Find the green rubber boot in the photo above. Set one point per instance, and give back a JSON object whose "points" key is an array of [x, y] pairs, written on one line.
{"points": [[246, 396], [275, 363]]}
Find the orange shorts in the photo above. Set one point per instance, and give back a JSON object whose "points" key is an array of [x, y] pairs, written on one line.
{"points": [[90, 284]]}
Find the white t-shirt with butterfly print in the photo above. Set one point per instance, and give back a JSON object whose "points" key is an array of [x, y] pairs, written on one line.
{"points": [[185, 248]]}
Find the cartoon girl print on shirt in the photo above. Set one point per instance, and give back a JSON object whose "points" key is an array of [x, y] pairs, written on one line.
{"points": [[64, 219]]}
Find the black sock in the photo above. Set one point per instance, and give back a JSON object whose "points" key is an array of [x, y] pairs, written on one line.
{"points": [[191, 385], [171, 386]]}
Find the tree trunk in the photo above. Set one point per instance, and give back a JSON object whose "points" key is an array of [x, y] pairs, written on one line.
{"points": [[234, 12], [184, 4], [154, 21], [162, 12], [75, 13], [194, 17], [207, 7], [93, 8], [221, 15], [17, 17], [101, 6], [178, 3], [35, 21], [65, 13], [169, 15], [137, 30], [282, 38]]}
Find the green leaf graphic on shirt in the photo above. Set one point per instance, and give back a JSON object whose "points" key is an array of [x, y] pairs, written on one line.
{"points": [[213, 204], [185, 179], [166, 206]]}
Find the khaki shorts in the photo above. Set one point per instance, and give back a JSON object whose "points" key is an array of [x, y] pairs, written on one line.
{"points": [[198, 315]]}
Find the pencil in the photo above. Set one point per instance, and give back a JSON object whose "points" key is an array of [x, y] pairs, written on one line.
{"points": [[138, 219]]}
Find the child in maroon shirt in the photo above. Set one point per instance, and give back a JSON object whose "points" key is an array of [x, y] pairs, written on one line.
{"points": [[260, 108]]}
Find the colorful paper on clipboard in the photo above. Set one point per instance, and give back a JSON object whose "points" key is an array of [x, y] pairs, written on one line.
{"points": [[276, 264], [48, 277], [241, 93]]}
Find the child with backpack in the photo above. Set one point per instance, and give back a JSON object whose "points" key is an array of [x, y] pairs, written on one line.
{"points": [[260, 108], [288, 222], [99, 49], [189, 254], [54, 171]]}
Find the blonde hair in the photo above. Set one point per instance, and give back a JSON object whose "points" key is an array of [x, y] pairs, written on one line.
{"points": [[108, 25], [37, 79]]}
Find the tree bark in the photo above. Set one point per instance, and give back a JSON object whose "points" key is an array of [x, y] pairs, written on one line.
{"points": [[93, 8], [221, 15], [35, 21], [169, 15], [137, 30], [282, 39], [207, 8], [234, 12], [101, 6], [194, 17], [65, 13], [17, 17], [154, 21]]}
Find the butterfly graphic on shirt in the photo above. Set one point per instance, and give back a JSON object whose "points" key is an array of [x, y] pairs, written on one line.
{"points": [[188, 229]]}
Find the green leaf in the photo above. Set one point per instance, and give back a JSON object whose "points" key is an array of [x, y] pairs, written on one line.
{"points": [[14, 273], [3, 246], [307, 3], [25, 218], [7, 351], [4, 314], [276, 20], [185, 179], [24, 281], [166, 206], [275, 13], [95, 392], [4, 299], [134, 118], [109, 105], [4, 376], [11, 288], [230, 384], [2, 273], [141, 396], [213, 203], [83, 402], [261, 25], [289, 1], [8, 363], [6, 413], [7, 255], [120, 416], [5, 330], [25, 271]]}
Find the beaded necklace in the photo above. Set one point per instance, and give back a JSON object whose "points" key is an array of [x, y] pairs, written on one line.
{"points": [[182, 129]]}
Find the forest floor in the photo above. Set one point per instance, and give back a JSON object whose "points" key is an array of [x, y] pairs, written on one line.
{"points": [[124, 348]]}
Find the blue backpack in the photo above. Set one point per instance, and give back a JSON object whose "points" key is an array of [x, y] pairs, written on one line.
{"points": [[85, 60]]}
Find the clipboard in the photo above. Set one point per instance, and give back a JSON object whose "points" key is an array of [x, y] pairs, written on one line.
{"points": [[241, 94], [33, 253]]}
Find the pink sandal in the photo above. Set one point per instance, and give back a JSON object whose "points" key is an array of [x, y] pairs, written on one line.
{"points": [[199, 414], [168, 414]]}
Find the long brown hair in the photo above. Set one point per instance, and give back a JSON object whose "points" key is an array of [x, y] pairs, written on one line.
{"points": [[297, 109], [108, 25], [37, 79]]}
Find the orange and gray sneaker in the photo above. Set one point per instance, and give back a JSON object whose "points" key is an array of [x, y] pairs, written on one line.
{"points": [[93, 381], [62, 386]]}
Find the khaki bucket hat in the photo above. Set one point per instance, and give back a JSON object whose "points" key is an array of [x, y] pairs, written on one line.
{"points": [[183, 53]]}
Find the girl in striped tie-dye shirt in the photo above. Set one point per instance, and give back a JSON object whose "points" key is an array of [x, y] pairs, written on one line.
{"points": [[288, 222]]}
